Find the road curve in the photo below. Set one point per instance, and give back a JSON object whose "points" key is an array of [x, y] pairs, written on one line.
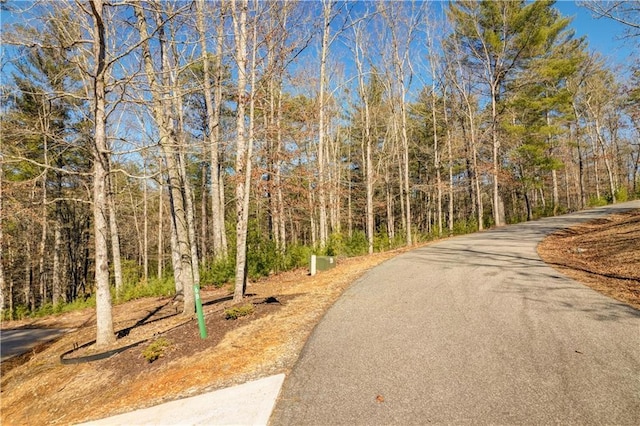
{"points": [[20, 340], [471, 330]]}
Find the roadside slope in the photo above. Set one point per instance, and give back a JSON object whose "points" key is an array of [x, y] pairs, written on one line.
{"points": [[43, 391], [603, 254]]}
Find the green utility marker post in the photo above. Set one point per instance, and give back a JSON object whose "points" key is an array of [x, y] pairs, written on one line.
{"points": [[201, 324]]}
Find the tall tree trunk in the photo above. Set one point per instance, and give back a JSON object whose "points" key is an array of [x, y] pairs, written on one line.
{"points": [[369, 181], [250, 140], [326, 14], [43, 240], [2, 279], [183, 269], [204, 223], [554, 174], [367, 138], [218, 179], [555, 192], [338, 182], [471, 187], [115, 237], [176, 125], [160, 231], [389, 198], [145, 230], [464, 90], [401, 189], [176, 261], [11, 298], [312, 218], [583, 195], [349, 195], [566, 189], [213, 106], [596, 172], [275, 57], [56, 283], [405, 162], [479, 203], [497, 219], [136, 224], [271, 155], [635, 167], [191, 221], [242, 166], [449, 159], [605, 157], [178, 216], [401, 63], [29, 299], [278, 176], [104, 321], [436, 153]]}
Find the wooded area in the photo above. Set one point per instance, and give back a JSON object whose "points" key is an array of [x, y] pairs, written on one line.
{"points": [[151, 146]]}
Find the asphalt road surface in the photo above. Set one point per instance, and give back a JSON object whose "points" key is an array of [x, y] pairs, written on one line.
{"points": [[18, 341], [471, 330]]}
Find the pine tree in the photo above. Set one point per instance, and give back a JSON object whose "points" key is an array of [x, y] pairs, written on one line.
{"points": [[500, 39], [540, 104]]}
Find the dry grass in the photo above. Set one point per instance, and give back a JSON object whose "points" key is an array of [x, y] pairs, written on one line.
{"points": [[43, 391]]}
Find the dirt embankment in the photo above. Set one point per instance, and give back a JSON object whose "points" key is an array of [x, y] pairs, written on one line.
{"points": [[603, 254]]}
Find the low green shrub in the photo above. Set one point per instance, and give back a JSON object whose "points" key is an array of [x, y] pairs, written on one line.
{"points": [[382, 242], [153, 287], [132, 272], [236, 312], [79, 303], [156, 349], [297, 256], [461, 227], [45, 310], [621, 194], [263, 257], [542, 211], [335, 245], [357, 245], [597, 201], [218, 272], [19, 312]]}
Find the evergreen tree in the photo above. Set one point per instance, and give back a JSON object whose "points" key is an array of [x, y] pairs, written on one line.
{"points": [[44, 147], [500, 39], [540, 106]]}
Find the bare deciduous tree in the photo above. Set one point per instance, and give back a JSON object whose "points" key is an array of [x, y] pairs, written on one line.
{"points": [[104, 330], [170, 146]]}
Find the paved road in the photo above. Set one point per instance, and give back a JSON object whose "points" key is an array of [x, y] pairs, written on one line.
{"points": [[18, 341], [471, 330]]}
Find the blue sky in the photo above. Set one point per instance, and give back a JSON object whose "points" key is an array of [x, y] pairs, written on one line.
{"points": [[604, 34]]}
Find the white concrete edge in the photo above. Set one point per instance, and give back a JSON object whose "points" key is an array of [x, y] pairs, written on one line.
{"points": [[248, 404]]}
